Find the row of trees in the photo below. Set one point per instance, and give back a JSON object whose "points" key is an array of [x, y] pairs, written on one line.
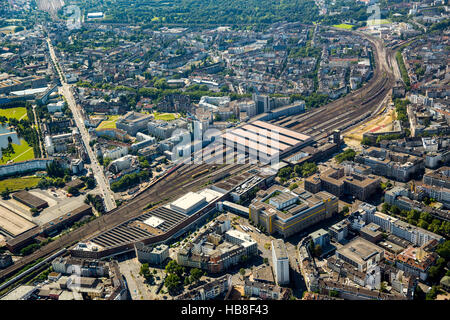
{"points": [[421, 219], [400, 109], [130, 180], [96, 201], [403, 70], [249, 14], [34, 246], [304, 170], [177, 276], [347, 155]]}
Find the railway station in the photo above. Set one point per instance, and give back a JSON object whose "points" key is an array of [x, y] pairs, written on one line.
{"points": [[264, 141]]}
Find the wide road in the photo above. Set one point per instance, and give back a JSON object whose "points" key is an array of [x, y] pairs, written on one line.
{"points": [[108, 195]]}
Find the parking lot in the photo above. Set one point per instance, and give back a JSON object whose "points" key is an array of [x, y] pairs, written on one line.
{"points": [[59, 204], [139, 290]]}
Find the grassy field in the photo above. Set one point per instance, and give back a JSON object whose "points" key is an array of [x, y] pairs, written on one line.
{"points": [[14, 184], [343, 26], [19, 113], [164, 116], [109, 124], [22, 152]]}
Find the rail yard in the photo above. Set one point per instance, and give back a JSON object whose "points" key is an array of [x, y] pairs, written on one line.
{"points": [[318, 123]]}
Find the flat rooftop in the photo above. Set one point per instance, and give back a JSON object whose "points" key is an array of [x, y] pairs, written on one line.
{"points": [[264, 138], [280, 249], [13, 223], [188, 201], [130, 231], [359, 250], [283, 197], [264, 273], [372, 229], [154, 221], [29, 199], [319, 233], [18, 293]]}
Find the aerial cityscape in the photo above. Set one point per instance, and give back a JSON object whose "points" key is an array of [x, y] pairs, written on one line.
{"points": [[224, 150]]}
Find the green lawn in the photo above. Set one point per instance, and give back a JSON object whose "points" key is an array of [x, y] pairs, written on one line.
{"points": [[108, 124], [164, 116], [343, 26], [22, 152], [14, 184], [19, 113]]}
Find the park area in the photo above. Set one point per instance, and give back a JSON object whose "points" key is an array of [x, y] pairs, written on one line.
{"points": [[343, 26], [165, 116], [110, 123], [19, 113], [22, 152], [14, 184]]}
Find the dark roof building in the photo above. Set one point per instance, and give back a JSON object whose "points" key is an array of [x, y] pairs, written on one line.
{"points": [[30, 200]]}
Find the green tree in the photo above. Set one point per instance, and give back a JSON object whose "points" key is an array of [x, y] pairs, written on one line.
{"points": [[395, 209], [285, 172], [73, 190], [385, 207], [443, 250], [293, 186], [348, 154], [172, 282], [174, 268], [196, 274], [5, 193], [432, 294]]}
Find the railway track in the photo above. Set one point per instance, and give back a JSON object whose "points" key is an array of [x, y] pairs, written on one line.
{"points": [[322, 121], [336, 115], [170, 187]]}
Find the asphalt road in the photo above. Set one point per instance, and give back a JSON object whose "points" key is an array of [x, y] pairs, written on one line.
{"points": [[97, 170]]}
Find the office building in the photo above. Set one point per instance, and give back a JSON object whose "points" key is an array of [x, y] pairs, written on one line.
{"points": [[280, 262], [155, 255], [347, 180], [339, 231], [307, 210], [320, 237], [394, 165], [133, 122], [360, 253]]}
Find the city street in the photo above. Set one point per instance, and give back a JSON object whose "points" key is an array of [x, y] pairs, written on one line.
{"points": [[97, 170]]}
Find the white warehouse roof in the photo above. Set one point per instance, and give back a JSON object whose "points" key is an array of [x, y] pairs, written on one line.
{"points": [[188, 202]]}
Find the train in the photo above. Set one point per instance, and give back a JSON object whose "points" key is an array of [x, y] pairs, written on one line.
{"points": [[195, 175]]}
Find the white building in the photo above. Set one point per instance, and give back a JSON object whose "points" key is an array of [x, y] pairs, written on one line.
{"points": [[283, 200], [188, 203], [280, 261], [49, 145], [115, 153], [55, 107], [238, 237], [123, 163], [155, 255], [430, 144], [214, 103]]}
